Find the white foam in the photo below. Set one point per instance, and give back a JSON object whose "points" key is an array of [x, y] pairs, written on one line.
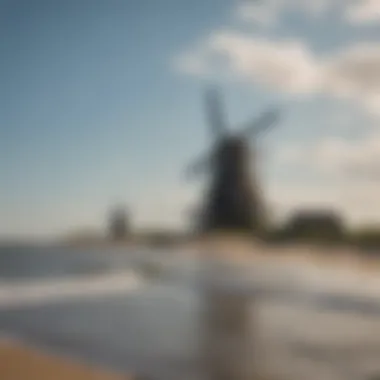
{"points": [[24, 293]]}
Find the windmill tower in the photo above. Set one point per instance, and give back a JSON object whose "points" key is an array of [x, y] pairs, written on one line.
{"points": [[233, 201], [119, 224]]}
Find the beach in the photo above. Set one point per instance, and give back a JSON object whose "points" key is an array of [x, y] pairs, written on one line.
{"points": [[18, 362], [82, 304]]}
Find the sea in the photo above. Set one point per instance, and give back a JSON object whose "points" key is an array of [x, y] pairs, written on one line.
{"points": [[140, 311]]}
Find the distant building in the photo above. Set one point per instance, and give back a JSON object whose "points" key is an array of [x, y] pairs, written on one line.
{"points": [[119, 227], [318, 225]]}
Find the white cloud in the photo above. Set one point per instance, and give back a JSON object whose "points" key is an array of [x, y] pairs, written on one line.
{"points": [[258, 12], [355, 160], [356, 72], [290, 66], [269, 62], [363, 11], [266, 13]]}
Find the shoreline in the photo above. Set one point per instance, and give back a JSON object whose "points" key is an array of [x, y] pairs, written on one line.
{"points": [[239, 248]]}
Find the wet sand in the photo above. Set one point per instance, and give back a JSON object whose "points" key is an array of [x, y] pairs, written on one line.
{"points": [[21, 363]]}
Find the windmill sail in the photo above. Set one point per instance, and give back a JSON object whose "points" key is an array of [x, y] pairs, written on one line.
{"points": [[199, 166], [215, 115], [263, 123]]}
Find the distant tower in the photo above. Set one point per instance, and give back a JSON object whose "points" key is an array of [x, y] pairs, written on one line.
{"points": [[119, 223]]}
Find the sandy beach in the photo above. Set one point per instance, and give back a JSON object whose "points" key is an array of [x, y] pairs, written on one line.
{"points": [[18, 362]]}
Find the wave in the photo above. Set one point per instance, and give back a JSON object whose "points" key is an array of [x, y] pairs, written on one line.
{"points": [[36, 292]]}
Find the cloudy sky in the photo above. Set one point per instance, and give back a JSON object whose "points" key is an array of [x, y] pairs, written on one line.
{"points": [[102, 103]]}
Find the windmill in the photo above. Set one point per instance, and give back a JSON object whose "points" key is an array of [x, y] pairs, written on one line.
{"points": [[119, 223], [233, 201]]}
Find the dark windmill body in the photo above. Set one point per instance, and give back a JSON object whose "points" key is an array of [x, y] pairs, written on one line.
{"points": [[233, 201], [119, 224]]}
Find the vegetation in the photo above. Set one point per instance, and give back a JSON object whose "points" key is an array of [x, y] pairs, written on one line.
{"points": [[368, 237], [323, 228]]}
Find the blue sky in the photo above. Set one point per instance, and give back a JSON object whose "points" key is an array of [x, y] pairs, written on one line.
{"points": [[102, 103]]}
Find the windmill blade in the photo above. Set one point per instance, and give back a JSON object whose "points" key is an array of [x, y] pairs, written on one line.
{"points": [[214, 111], [263, 123], [199, 166]]}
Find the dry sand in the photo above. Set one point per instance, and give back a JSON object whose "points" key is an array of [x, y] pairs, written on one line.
{"points": [[20, 363]]}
